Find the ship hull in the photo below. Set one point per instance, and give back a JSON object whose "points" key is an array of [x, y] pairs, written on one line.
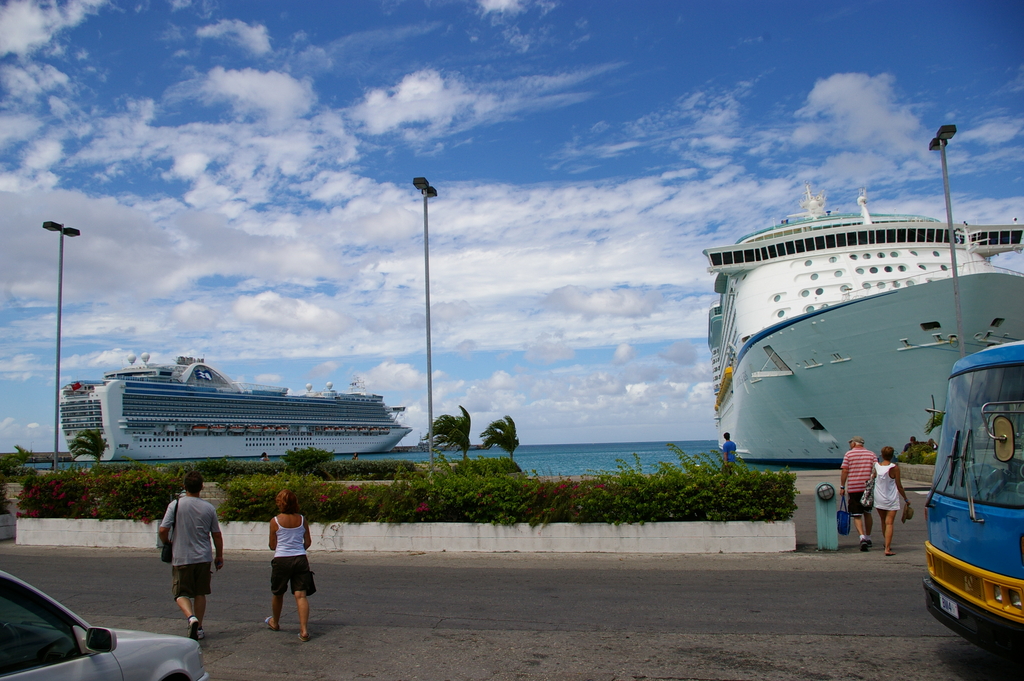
{"points": [[852, 373], [181, 446]]}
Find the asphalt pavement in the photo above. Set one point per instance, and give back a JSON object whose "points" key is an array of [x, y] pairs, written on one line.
{"points": [[404, 616]]}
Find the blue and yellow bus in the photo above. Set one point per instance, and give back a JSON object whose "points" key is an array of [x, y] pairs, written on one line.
{"points": [[975, 510]]}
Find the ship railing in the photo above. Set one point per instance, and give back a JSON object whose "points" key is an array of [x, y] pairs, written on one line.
{"points": [[256, 387]]}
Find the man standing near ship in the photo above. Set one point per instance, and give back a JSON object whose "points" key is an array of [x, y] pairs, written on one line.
{"points": [[728, 450], [857, 466], [194, 522]]}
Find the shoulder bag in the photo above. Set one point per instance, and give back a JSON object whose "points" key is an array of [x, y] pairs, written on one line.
{"points": [[167, 550], [867, 499]]}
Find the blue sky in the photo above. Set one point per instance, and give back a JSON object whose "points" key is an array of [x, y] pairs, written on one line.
{"points": [[241, 174]]}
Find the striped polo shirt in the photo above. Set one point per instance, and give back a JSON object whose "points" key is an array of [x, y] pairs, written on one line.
{"points": [[858, 462]]}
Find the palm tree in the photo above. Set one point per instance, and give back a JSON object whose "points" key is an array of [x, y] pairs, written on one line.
{"points": [[88, 443], [453, 431], [501, 433]]}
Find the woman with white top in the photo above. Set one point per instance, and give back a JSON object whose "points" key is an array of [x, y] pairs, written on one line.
{"points": [[289, 539], [888, 490]]}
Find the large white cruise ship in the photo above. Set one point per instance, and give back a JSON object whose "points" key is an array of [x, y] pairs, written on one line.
{"points": [[189, 410], [834, 325]]}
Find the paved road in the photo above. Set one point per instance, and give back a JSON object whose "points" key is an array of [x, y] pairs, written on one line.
{"points": [[806, 615]]}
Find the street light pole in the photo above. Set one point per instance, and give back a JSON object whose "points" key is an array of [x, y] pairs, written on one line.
{"points": [[428, 192], [939, 142], [64, 231]]}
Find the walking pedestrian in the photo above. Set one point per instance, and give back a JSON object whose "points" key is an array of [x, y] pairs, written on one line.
{"points": [[856, 469], [188, 525], [289, 539], [888, 490]]}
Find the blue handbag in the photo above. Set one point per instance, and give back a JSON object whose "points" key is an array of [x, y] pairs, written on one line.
{"points": [[843, 517]]}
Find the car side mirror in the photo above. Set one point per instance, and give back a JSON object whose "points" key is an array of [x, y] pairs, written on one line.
{"points": [[99, 640]]}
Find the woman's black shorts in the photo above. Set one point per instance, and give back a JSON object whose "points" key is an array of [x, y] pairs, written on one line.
{"points": [[294, 569]]}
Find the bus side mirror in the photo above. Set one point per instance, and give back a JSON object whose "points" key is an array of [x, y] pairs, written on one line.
{"points": [[1002, 433]]}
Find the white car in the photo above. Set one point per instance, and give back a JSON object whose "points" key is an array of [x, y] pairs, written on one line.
{"points": [[41, 639]]}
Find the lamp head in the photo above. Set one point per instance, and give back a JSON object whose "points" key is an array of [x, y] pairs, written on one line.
{"points": [[946, 132], [935, 144], [430, 192], [420, 183], [71, 231], [52, 226]]}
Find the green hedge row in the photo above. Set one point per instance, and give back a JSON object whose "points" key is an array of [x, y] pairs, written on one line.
{"points": [[695, 489], [222, 470], [135, 494]]}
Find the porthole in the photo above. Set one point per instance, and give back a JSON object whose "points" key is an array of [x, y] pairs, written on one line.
{"points": [[866, 284], [881, 284], [805, 293], [888, 268], [777, 298], [881, 255], [911, 282], [780, 313], [943, 268], [809, 308], [895, 284], [873, 270], [839, 273], [902, 268], [860, 270], [818, 291], [808, 263], [867, 256], [823, 306], [845, 288], [833, 259], [895, 254], [922, 266], [935, 253], [913, 253], [853, 256], [814, 277]]}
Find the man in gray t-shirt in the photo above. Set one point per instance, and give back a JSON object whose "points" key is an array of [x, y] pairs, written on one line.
{"points": [[189, 523]]}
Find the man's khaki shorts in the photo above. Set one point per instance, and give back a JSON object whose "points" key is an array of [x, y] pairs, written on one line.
{"points": [[189, 581]]}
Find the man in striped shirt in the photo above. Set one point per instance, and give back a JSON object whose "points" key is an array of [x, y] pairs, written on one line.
{"points": [[857, 466]]}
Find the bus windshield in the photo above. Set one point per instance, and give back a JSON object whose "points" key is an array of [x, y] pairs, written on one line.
{"points": [[967, 465]]}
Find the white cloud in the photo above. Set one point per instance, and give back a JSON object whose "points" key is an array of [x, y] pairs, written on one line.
{"points": [[548, 350], [32, 80], [253, 38], [323, 369], [27, 25], [682, 353], [614, 303], [389, 375], [249, 91], [510, 7], [193, 316], [273, 311], [992, 132], [268, 379], [624, 354], [858, 110], [43, 154]]}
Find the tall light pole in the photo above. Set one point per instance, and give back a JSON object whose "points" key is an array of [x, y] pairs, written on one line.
{"points": [[428, 193], [63, 231], [939, 142]]}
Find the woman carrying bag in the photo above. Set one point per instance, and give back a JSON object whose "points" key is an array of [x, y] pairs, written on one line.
{"points": [[888, 490]]}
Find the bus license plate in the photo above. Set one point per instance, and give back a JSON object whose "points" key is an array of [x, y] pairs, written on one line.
{"points": [[949, 606]]}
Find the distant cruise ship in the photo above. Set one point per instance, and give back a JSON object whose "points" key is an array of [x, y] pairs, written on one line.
{"points": [[189, 410], [833, 325]]}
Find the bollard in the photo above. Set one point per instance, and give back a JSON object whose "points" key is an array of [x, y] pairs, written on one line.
{"points": [[825, 506]]}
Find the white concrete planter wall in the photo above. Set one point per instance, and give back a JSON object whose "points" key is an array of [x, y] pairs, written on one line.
{"points": [[7, 525], [694, 537]]}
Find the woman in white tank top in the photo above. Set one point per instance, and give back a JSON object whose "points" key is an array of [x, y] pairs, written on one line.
{"points": [[289, 539], [888, 490]]}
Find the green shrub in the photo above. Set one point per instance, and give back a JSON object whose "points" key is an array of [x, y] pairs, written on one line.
{"points": [[481, 466], [3, 494], [920, 453], [13, 465], [694, 489], [375, 469], [306, 460]]}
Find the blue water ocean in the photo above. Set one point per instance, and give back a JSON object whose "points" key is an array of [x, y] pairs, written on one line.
{"points": [[575, 459]]}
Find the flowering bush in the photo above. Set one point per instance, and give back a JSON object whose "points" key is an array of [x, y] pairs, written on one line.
{"points": [[134, 494]]}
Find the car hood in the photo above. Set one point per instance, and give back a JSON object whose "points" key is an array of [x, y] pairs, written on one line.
{"points": [[136, 651]]}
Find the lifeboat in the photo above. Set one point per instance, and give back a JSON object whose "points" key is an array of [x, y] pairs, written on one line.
{"points": [[269, 429], [218, 429], [237, 430], [200, 429], [283, 429]]}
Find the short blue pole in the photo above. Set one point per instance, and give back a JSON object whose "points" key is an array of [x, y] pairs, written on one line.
{"points": [[825, 507]]}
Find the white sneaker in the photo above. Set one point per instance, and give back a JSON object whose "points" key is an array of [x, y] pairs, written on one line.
{"points": [[193, 628], [200, 635]]}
